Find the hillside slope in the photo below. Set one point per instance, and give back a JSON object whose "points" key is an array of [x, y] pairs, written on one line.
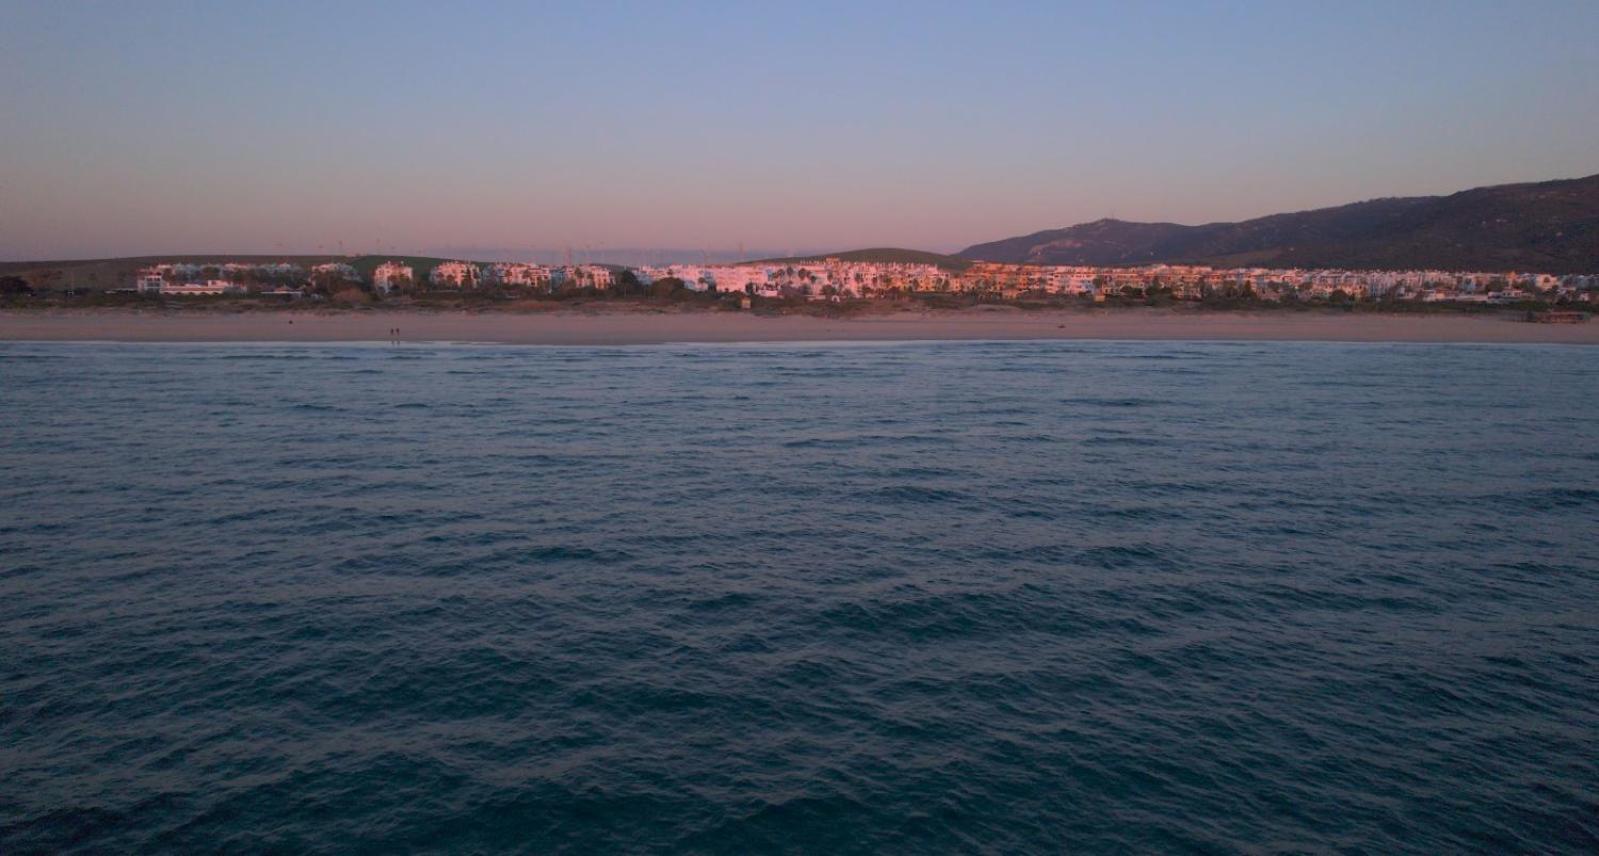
{"points": [[1548, 226]]}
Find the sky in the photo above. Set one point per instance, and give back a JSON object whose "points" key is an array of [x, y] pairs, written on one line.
{"points": [[207, 127]]}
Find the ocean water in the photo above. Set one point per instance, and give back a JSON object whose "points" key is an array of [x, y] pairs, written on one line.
{"points": [[910, 598]]}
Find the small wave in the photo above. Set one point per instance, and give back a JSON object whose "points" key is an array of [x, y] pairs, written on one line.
{"points": [[1124, 556], [1142, 442], [912, 495], [1110, 402]]}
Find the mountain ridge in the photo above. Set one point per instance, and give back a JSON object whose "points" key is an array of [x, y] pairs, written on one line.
{"points": [[1548, 226]]}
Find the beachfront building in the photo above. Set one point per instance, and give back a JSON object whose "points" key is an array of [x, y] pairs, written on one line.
{"points": [[148, 281], [739, 279], [255, 270], [1075, 281], [206, 288], [1004, 280], [517, 274], [592, 276], [390, 275], [834, 279], [338, 271], [694, 277], [455, 275]]}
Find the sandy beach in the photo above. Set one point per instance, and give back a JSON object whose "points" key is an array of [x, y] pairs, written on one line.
{"points": [[635, 327]]}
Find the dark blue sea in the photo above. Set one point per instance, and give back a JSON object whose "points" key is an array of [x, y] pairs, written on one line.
{"points": [[909, 598]]}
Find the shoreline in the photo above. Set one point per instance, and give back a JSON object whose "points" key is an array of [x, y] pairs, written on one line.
{"points": [[615, 326]]}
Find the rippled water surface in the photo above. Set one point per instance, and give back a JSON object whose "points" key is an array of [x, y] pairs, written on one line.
{"points": [[906, 598]]}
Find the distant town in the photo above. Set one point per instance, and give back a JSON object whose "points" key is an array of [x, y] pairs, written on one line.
{"points": [[839, 279]]}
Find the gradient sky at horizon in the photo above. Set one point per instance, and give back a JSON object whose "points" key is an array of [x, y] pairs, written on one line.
{"points": [[165, 127]]}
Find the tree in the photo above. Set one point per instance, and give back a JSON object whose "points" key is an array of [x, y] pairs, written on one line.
{"points": [[665, 287], [627, 283], [327, 281]]}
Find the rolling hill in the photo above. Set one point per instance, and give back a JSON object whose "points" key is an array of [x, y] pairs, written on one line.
{"points": [[103, 274], [1550, 226]]}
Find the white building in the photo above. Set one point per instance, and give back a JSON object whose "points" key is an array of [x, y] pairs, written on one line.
{"points": [[389, 275], [455, 275], [210, 287], [516, 273], [148, 281], [693, 276], [336, 270], [741, 279], [597, 276]]}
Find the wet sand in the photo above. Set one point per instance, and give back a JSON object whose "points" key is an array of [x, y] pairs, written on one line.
{"points": [[634, 327]]}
